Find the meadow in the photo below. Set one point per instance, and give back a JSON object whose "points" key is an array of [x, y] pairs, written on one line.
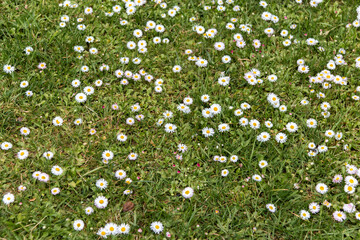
{"points": [[192, 119]]}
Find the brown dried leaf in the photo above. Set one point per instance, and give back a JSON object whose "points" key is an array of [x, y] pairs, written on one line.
{"points": [[128, 206]]}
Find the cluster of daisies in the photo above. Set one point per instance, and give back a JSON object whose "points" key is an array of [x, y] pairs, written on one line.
{"points": [[210, 111]]}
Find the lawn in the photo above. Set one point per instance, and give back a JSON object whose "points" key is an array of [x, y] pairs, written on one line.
{"points": [[191, 119]]}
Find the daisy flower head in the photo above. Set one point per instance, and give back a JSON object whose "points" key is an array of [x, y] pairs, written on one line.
{"points": [[107, 154], [188, 192], [314, 207], [8, 68], [57, 121], [339, 216], [101, 202], [121, 137], [103, 232], [6, 146], [349, 189], [257, 178], [55, 191], [224, 172], [42, 65], [157, 227], [243, 121], [111, 228], [281, 137], [78, 121], [224, 127], [263, 137], [292, 127], [89, 210], [21, 188], [215, 109], [182, 148], [351, 181], [56, 170], [305, 215], [8, 198], [271, 207], [22, 154], [123, 228], [48, 155], [321, 188], [263, 163], [101, 184], [120, 174], [208, 132], [80, 97], [44, 177], [132, 156], [176, 68], [254, 124], [24, 131], [130, 121]]}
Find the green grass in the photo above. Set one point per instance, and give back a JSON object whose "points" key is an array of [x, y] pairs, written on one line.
{"points": [[222, 207]]}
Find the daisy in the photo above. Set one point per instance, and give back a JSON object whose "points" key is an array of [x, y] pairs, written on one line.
{"points": [[182, 148], [102, 232], [351, 181], [349, 208], [8, 68], [263, 137], [257, 178], [339, 216], [187, 192], [55, 191], [24, 131], [268, 124], [170, 128], [44, 177], [101, 183], [22, 154], [224, 172], [132, 156], [80, 97], [57, 121], [56, 170], [120, 174], [101, 202], [321, 188], [130, 121], [92, 131], [208, 132], [123, 228], [314, 207], [78, 121], [349, 189], [111, 228], [128, 181], [176, 69], [42, 65], [223, 127], [291, 127], [281, 137], [305, 215], [330, 133], [8, 198], [21, 188], [311, 123], [108, 155], [254, 124], [243, 121], [157, 227], [75, 83], [337, 178], [89, 210], [215, 109], [121, 137], [6, 146], [263, 163], [271, 207]]}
